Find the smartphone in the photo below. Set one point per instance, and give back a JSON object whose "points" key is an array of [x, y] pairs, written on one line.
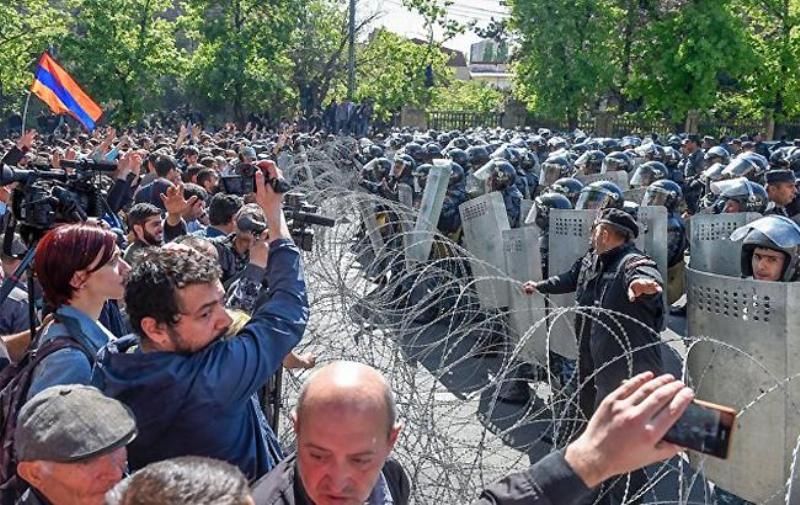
{"points": [[704, 427]]}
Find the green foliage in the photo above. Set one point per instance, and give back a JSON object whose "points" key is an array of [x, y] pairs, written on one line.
{"points": [[27, 28], [120, 51], [687, 54], [564, 54], [393, 73], [468, 96]]}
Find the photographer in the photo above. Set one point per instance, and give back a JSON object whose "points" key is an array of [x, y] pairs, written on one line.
{"points": [[234, 249], [192, 391], [79, 267]]}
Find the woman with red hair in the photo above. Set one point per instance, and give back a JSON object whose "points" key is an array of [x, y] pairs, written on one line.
{"points": [[79, 267]]}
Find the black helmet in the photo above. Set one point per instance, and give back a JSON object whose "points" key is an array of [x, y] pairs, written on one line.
{"points": [[406, 161], [542, 205], [672, 157], [380, 168], [780, 157], [716, 154], [374, 151], [477, 156], [750, 196], [648, 173], [794, 161], [432, 150], [420, 174], [457, 176], [617, 162], [609, 146], [554, 168], [508, 153], [747, 164], [771, 232], [502, 175], [459, 142], [569, 187], [459, 156], [529, 161], [600, 195], [416, 151], [590, 162], [665, 193], [443, 139]]}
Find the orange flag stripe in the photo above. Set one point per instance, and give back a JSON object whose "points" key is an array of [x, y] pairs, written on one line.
{"points": [[69, 84]]}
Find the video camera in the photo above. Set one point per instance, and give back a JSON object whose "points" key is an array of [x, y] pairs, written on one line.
{"points": [[299, 215], [243, 181]]}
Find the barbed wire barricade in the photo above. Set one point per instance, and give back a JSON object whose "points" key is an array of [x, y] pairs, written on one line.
{"points": [[423, 326]]}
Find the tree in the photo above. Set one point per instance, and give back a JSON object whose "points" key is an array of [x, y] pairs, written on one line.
{"points": [[563, 62], [468, 96], [27, 28], [687, 53], [395, 74], [120, 50], [240, 58]]}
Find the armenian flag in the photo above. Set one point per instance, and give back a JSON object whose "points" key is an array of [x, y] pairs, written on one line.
{"points": [[62, 94]]}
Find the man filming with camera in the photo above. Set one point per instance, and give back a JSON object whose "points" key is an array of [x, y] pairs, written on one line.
{"points": [[192, 391]]}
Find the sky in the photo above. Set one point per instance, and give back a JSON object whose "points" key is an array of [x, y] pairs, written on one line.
{"points": [[398, 19]]}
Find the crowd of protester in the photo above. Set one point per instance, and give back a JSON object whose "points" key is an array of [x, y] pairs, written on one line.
{"points": [[159, 324]]}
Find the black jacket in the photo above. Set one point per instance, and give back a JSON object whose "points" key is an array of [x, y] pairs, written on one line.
{"points": [[608, 339], [550, 481], [282, 486]]}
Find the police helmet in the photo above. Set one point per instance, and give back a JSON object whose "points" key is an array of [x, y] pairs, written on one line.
{"points": [[502, 175], [617, 162], [433, 151], [780, 157], [747, 164], [459, 142], [416, 151], [665, 193], [648, 173], [405, 161], [374, 151], [443, 139], [554, 168], [777, 233], [600, 195], [716, 154], [569, 187], [379, 167], [631, 208], [457, 176], [420, 174], [590, 162], [459, 156], [477, 156], [750, 196], [542, 205], [650, 152], [672, 157]]}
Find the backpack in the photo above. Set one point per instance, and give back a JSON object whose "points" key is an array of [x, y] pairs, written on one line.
{"points": [[15, 382]]}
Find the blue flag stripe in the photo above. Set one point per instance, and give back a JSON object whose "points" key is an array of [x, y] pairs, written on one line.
{"points": [[47, 79]]}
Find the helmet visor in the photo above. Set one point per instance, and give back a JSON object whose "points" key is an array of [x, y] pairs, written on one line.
{"points": [[642, 178], [655, 196], [594, 199], [611, 164], [739, 167], [779, 229], [550, 173]]}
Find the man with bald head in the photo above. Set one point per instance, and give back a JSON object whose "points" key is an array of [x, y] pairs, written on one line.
{"points": [[346, 426]]}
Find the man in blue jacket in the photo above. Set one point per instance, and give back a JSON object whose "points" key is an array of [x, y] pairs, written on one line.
{"points": [[192, 392]]}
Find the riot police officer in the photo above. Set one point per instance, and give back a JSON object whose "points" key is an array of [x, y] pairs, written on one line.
{"points": [[569, 187], [748, 164], [590, 162], [540, 216], [620, 312], [781, 190], [617, 162], [739, 195], [691, 166], [554, 168], [770, 249], [667, 193], [647, 173], [502, 178], [450, 219], [600, 195]]}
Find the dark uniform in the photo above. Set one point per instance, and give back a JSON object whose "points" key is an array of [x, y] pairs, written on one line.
{"points": [[691, 167], [513, 201]]}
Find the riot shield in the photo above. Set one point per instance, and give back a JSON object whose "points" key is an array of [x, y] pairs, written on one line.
{"points": [[525, 209], [753, 365], [368, 216], [421, 238], [569, 235], [406, 213], [483, 220], [523, 263], [652, 240], [710, 247], [634, 195], [619, 177]]}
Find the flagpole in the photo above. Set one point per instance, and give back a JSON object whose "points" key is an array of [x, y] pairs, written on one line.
{"points": [[25, 113]]}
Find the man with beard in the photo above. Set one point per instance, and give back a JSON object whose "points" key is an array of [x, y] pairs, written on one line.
{"points": [[193, 392], [144, 221]]}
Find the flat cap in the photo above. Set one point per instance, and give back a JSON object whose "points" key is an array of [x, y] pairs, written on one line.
{"points": [[71, 423], [778, 176], [620, 220]]}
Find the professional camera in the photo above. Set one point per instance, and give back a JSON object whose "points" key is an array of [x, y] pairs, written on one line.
{"points": [[44, 198], [299, 215], [243, 181]]}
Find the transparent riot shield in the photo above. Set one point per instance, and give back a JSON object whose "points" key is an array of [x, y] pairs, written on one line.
{"points": [[634, 195], [569, 235], [484, 219], [421, 238], [619, 177], [369, 217], [752, 365], [710, 247], [406, 213], [652, 240], [525, 209], [523, 263]]}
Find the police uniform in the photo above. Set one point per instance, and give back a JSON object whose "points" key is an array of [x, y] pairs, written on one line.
{"points": [[512, 198], [778, 177]]}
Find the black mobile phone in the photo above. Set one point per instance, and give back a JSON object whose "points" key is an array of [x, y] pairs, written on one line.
{"points": [[704, 427]]}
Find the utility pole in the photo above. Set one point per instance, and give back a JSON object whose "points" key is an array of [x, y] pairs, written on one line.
{"points": [[351, 64]]}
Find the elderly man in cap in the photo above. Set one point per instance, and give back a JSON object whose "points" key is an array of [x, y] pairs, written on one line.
{"points": [[781, 191], [620, 313], [70, 445], [345, 462]]}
